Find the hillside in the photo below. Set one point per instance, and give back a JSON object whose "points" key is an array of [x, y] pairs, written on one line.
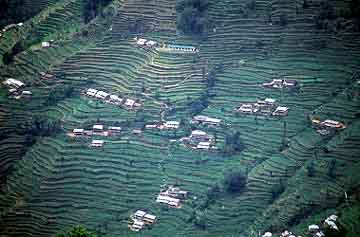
{"points": [[295, 177]]}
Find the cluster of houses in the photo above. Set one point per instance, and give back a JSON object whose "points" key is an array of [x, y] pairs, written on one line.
{"points": [[16, 88], [171, 48], [172, 196], [140, 219], [145, 42], [166, 125], [97, 130], [9, 27], [199, 140], [327, 126], [264, 107], [285, 233], [329, 223], [281, 83], [112, 99]]}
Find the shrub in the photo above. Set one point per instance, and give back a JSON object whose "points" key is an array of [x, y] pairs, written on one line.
{"points": [[77, 231], [234, 181]]}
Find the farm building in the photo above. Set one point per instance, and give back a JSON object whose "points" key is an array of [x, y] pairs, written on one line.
{"points": [[170, 125], [13, 83], [201, 119], [246, 109], [281, 111], [114, 129], [333, 124], [203, 146], [46, 76], [140, 219], [78, 131], [115, 99], [97, 143], [45, 44], [170, 201], [91, 92], [280, 83], [98, 128], [102, 95], [181, 48]]}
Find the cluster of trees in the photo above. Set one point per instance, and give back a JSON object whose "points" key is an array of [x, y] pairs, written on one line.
{"points": [[331, 18], [59, 93], [15, 11], [192, 16], [203, 102], [8, 57], [233, 182], [92, 8], [233, 143], [77, 231]]}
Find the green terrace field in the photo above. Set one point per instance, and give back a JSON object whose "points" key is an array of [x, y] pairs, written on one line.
{"points": [[55, 181]]}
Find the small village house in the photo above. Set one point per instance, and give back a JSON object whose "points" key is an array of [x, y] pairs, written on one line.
{"points": [[78, 131], [170, 201], [281, 111], [129, 103], [13, 83], [203, 146], [91, 92], [102, 95], [170, 125], [97, 143], [114, 129], [99, 128], [45, 44], [206, 120]]}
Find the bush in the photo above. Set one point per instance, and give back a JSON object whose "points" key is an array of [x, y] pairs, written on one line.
{"points": [[192, 16], [77, 231], [234, 181], [92, 8]]}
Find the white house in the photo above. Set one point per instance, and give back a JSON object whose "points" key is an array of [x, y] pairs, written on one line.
{"points": [[98, 128], [203, 146], [140, 41], [129, 103], [102, 95], [45, 44], [114, 129], [246, 109], [267, 234], [281, 111], [333, 124], [97, 143], [173, 202], [115, 99], [78, 131], [206, 120], [11, 82], [91, 92], [151, 43], [198, 133], [171, 125]]}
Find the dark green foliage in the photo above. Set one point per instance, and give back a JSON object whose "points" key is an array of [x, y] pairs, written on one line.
{"points": [[277, 190], [92, 8], [332, 169], [42, 126], [355, 9], [233, 143], [234, 181], [59, 93], [9, 56], [310, 168], [192, 16], [283, 20], [15, 11], [77, 231], [305, 4]]}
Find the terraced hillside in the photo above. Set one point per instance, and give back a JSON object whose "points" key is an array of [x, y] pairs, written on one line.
{"points": [[51, 182]]}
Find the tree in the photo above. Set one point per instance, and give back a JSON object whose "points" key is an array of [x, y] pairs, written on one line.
{"points": [[310, 169], [77, 231], [192, 16], [234, 181], [283, 19], [233, 143], [332, 169]]}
